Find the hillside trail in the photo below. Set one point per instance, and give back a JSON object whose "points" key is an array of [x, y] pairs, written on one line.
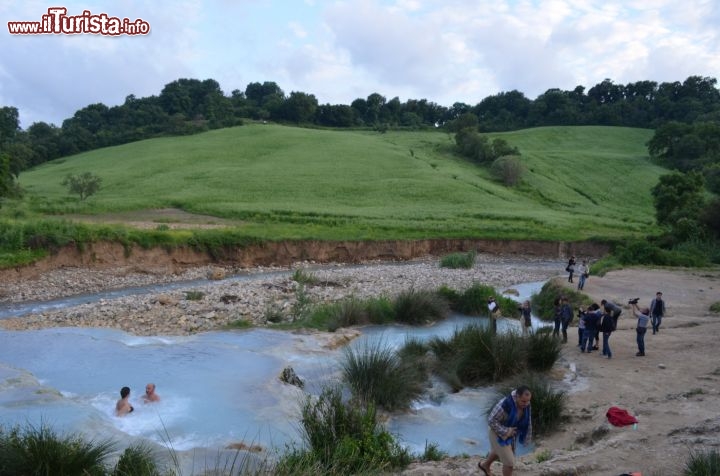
{"points": [[674, 391]]}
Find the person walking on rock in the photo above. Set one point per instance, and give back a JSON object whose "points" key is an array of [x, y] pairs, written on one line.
{"points": [[509, 422]]}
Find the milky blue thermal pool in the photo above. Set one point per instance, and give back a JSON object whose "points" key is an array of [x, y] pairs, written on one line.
{"points": [[217, 388]]}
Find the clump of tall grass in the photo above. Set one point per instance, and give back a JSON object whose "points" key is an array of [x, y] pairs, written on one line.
{"points": [[543, 302], [342, 438], [473, 301], [194, 295], [479, 355], [459, 260], [137, 460], [547, 404], [39, 450], [379, 376], [703, 463], [543, 350], [474, 355], [301, 276], [433, 452], [420, 307], [351, 311]]}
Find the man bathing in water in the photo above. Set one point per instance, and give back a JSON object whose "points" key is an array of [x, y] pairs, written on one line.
{"points": [[150, 395], [123, 407]]}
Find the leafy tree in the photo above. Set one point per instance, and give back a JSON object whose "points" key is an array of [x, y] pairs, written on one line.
{"points": [[6, 178], [85, 185], [508, 169], [300, 107], [678, 196], [710, 217], [9, 124]]}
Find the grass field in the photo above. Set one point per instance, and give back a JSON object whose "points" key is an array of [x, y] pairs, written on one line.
{"points": [[283, 182]]}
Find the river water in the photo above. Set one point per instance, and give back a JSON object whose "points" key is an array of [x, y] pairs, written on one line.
{"points": [[217, 388]]}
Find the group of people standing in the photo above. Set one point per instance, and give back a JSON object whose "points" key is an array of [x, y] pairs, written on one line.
{"points": [[123, 406], [603, 318]]}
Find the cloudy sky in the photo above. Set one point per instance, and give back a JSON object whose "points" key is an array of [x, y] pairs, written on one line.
{"points": [[445, 51]]}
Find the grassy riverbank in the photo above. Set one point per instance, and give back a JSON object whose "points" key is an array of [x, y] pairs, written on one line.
{"points": [[270, 182]]}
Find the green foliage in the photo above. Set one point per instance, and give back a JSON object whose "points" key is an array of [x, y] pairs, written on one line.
{"points": [[459, 260], [715, 307], [137, 460], [40, 451], [703, 462], [208, 174], [194, 295], [378, 376], [543, 350], [643, 252], [677, 196], [85, 184], [475, 355], [508, 169], [479, 148], [342, 439], [433, 452], [473, 301], [273, 314], [302, 276], [543, 456], [543, 303], [548, 405], [420, 307]]}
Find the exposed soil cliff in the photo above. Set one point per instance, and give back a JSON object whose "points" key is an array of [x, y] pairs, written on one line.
{"points": [[283, 253]]}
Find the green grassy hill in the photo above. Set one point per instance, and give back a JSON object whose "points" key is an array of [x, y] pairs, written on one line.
{"points": [[284, 182]]}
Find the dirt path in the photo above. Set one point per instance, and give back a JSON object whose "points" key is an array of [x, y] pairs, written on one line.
{"points": [[674, 391]]}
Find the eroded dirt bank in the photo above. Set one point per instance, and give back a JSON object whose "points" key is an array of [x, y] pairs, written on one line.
{"points": [[104, 255]]}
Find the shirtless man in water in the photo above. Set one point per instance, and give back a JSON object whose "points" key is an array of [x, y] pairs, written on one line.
{"points": [[150, 395], [123, 407]]}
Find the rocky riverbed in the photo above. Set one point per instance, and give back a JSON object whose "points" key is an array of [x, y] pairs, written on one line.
{"points": [[264, 292]]}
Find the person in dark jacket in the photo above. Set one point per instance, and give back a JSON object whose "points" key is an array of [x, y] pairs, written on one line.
{"points": [[607, 326], [592, 321], [657, 311], [570, 268], [566, 316], [613, 309]]}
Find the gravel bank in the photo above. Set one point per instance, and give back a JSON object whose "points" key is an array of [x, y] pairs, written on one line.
{"points": [[226, 299]]}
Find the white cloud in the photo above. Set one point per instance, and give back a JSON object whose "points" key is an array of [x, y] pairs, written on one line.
{"points": [[442, 50]]}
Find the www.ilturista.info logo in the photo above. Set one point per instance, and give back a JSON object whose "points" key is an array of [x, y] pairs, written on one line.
{"points": [[58, 22]]}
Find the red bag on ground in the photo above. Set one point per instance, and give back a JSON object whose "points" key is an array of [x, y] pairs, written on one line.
{"points": [[619, 417]]}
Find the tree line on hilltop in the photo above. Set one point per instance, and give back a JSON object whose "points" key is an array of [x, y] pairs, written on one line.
{"points": [[685, 114]]}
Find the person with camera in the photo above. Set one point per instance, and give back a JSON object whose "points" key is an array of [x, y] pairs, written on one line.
{"points": [[643, 317]]}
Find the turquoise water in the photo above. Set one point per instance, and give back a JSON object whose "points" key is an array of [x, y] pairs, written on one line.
{"points": [[217, 388]]}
